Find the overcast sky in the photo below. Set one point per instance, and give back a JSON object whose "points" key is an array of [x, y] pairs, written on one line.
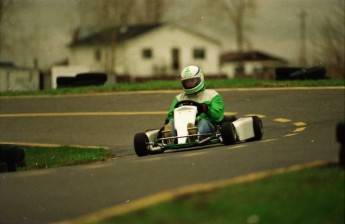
{"points": [[48, 25]]}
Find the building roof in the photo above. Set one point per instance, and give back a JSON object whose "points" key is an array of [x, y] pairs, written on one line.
{"points": [[118, 34], [248, 56]]}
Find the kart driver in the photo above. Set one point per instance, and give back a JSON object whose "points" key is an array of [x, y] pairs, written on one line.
{"points": [[210, 104]]}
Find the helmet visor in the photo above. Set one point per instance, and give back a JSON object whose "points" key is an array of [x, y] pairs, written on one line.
{"points": [[191, 83]]}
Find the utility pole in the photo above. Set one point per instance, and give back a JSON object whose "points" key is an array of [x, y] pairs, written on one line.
{"points": [[303, 49]]}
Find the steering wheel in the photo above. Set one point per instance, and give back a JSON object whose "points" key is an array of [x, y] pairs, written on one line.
{"points": [[187, 102]]}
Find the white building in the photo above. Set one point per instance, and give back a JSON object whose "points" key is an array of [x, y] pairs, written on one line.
{"points": [[13, 78], [252, 64], [146, 51]]}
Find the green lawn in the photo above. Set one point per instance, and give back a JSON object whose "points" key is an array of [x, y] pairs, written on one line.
{"points": [[40, 158], [176, 85], [312, 196]]}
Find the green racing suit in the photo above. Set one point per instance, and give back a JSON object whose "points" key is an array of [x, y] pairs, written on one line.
{"points": [[211, 98]]}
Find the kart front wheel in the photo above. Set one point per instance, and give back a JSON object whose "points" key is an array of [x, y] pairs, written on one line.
{"points": [[228, 133], [141, 144], [258, 128]]}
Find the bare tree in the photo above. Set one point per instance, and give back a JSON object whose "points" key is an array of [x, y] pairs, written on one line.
{"points": [[4, 5], [239, 11], [106, 13], [154, 10], [330, 48]]}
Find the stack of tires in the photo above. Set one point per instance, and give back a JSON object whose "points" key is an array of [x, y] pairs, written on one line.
{"points": [[341, 139], [10, 157], [82, 79], [299, 73]]}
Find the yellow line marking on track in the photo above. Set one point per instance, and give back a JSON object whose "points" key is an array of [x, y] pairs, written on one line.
{"points": [[258, 115], [176, 91], [289, 135], [299, 129], [34, 173], [66, 114], [230, 113], [193, 154], [94, 166], [30, 144], [169, 195], [282, 120], [269, 140], [279, 88], [147, 159], [237, 146], [299, 124]]}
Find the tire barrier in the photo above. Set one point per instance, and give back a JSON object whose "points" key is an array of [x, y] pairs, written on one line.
{"points": [[340, 133], [10, 157], [299, 73], [82, 79], [65, 82], [90, 79]]}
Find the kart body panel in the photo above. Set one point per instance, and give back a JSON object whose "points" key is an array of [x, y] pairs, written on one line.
{"points": [[244, 128], [182, 116]]}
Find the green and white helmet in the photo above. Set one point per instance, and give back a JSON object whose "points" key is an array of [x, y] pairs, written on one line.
{"points": [[192, 80]]}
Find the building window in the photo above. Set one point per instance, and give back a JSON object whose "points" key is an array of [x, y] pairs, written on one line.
{"points": [[199, 53], [147, 53], [98, 55], [175, 55]]}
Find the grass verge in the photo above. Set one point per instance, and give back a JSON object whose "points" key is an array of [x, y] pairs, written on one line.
{"points": [[40, 158], [176, 85], [314, 195]]}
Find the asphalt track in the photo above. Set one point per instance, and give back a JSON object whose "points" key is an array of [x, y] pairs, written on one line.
{"points": [[299, 125]]}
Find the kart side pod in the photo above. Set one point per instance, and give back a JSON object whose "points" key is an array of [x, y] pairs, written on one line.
{"points": [[248, 128]]}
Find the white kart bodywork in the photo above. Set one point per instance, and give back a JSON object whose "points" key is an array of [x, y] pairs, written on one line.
{"points": [[244, 128], [187, 114], [182, 116]]}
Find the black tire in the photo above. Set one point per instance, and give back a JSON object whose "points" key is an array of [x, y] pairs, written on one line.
{"points": [[316, 72], [229, 118], [340, 132], [3, 167], [64, 82], [11, 153], [90, 79], [12, 167], [283, 73], [258, 128], [140, 144], [228, 133], [342, 156]]}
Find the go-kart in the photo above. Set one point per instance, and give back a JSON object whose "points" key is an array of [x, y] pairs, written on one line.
{"points": [[229, 131]]}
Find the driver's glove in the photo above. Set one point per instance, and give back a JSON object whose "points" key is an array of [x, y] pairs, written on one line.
{"points": [[202, 108]]}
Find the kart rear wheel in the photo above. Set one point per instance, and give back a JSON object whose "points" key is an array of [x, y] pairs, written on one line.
{"points": [[228, 133], [258, 128], [141, 146]]}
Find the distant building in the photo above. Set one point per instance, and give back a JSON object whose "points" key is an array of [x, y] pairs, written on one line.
{"points": [[252, 63], [13, 78], [141, 51]]}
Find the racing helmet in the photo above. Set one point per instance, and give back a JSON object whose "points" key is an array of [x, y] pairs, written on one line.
{"points": [[192, 80]]}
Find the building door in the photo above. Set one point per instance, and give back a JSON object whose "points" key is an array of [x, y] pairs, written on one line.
{"points": [[175, 54]]}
